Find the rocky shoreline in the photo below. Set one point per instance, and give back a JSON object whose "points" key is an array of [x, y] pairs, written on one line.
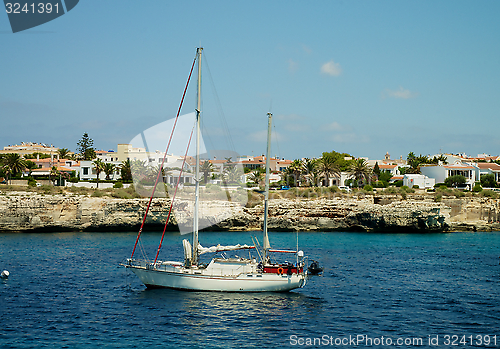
{"points": [[33, 212]]}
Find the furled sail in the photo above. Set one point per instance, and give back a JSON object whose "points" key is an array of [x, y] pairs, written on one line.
{"points": [[219, 248], [187, 249]]}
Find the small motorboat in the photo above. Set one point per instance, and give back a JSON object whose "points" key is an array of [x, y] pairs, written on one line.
{"points": [[314, 268]]}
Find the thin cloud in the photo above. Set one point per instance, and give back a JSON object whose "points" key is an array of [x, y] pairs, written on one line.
{"points": [[335, 126], [261, 136], [292, 127], [290, 117], [331, 68], [350, 138], [306, 49], [399, 93], [292, 66]]}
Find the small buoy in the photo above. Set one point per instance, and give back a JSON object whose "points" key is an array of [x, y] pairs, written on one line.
{"points": [[5, 274]]}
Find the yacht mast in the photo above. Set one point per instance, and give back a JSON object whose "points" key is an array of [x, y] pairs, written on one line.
{"points": [[194, 258], [266, 246]]}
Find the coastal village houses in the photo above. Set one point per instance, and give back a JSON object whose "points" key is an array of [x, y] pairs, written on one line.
{"points": [[472, 168]]}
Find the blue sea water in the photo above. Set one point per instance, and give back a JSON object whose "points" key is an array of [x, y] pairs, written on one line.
{"points": [[67, 290]]}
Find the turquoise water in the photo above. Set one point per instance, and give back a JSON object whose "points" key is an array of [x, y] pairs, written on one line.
{"points": [[66, 290]]}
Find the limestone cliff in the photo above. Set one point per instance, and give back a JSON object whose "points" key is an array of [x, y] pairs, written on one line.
{"points": [[33, 212]]}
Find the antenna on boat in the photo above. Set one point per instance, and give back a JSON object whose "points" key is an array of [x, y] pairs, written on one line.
{"points": [[195, 256]]}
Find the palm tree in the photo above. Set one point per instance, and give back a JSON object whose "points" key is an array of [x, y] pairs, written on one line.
{"points": [[257, 176], [63, 153], [126, 170], [54, 173], [13, 164], [310, 171], [295, 170], [98, 166], [232, 175], [138, 170], [206, 168], [108, 169], [360, 171], [287, 175], [328, 167]]}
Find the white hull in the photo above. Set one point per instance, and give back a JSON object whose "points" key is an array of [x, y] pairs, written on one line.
{"points": [[210, 279]]}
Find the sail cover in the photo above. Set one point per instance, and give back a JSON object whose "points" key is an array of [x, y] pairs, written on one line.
{"points": [[219, 248]]}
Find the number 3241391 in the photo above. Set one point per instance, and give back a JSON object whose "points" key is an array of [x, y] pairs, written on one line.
{"points": [[31, 8]]}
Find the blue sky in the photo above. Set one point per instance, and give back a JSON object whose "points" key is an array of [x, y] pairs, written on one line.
{"points": [[362, 77]]}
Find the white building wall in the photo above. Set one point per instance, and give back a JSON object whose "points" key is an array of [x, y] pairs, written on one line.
{"points": [[438, 173], [422, 181], [86, 171]]}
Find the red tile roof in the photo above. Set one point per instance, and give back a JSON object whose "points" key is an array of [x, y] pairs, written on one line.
{"points": [[486, 165]]}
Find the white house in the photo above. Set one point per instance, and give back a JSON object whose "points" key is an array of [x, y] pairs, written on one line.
{"points": [[87, 171], [339, 181], [423, 182], [172, 177], [440, 172], [484, 168], [393, 169]]}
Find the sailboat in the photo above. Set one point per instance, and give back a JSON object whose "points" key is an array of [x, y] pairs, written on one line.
{"points": [[234, 274]]}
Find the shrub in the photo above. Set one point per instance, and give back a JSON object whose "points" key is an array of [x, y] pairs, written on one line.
{"points": [[118, 185], [390, 190], [489, 194], [368, 188], [477, 188], [333, 189], [416, 187], [398, 183], [406, 189], [97, 193], [380, 184], [438, 198]]}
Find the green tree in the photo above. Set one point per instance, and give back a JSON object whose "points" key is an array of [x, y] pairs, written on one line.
{"points": [[63, 153], [453, 181], [30, 166], [257, 177], [416, 161], [328, 167], [13, 164], [232, 175], [360, 171], [385, 177], [108, 169], [376, 169], [54, 173], [488, 181], [85, 148], [37, 155], [206, 168], [310, 172], [287, 176], [126, 170], [98, 167], [294, 172]]}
